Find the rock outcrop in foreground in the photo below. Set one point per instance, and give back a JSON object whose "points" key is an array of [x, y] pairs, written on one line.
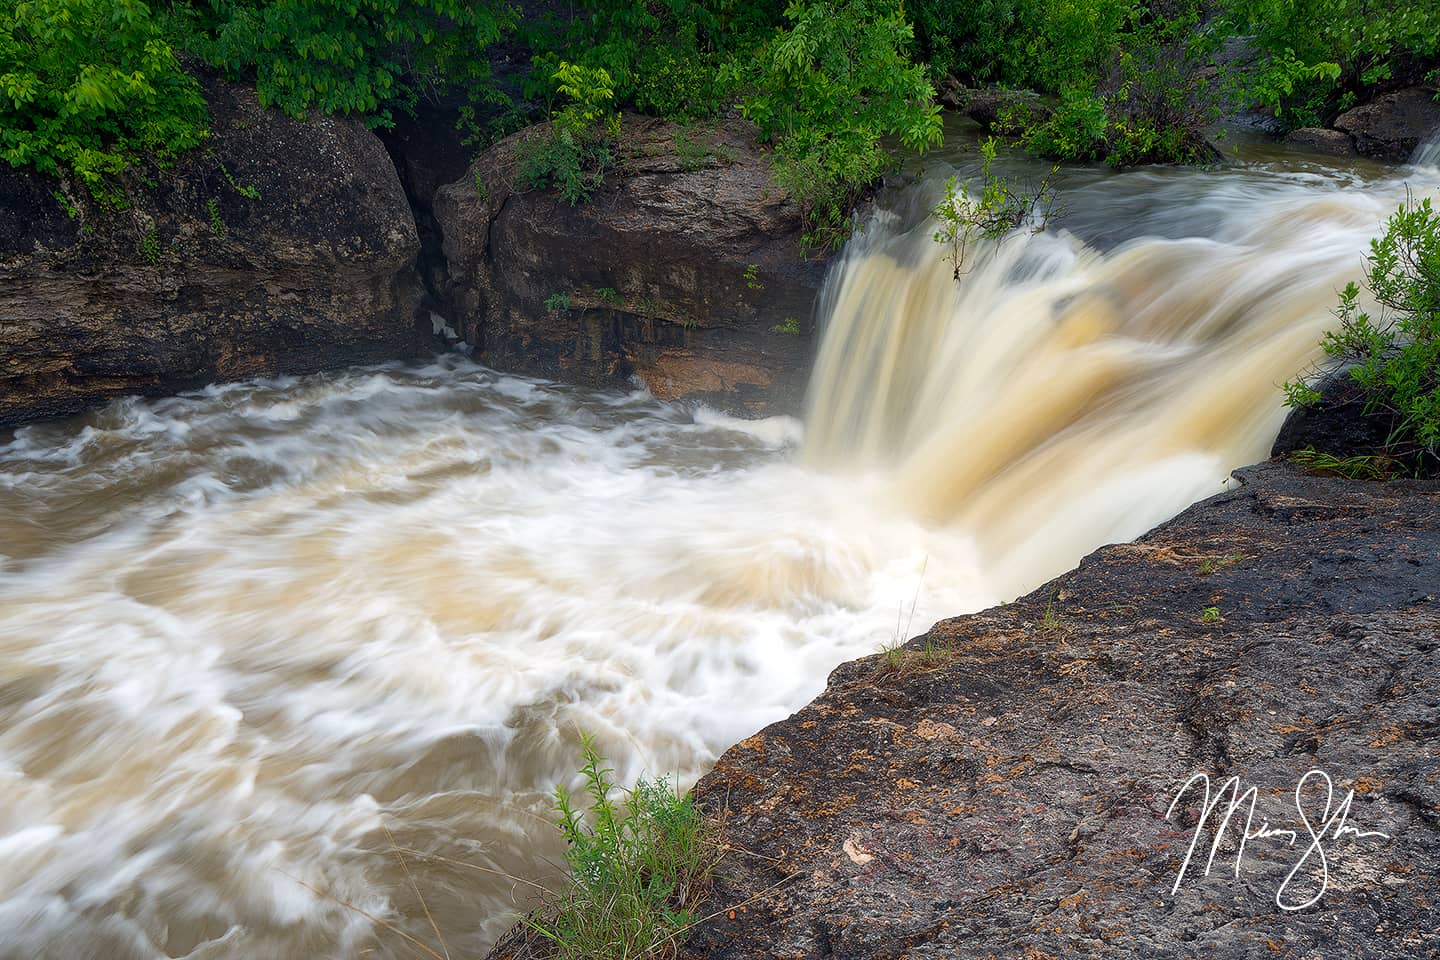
{"points": [[685, 269], [282, 247], [1001, 788]]}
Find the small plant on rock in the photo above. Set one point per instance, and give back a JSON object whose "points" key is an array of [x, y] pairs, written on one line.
{"points": [[578, 150], [1393, 357], [217, 223], [639, 868], [790, 327], [150, 246]]}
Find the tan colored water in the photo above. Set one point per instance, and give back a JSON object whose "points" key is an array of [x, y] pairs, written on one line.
{"points": [[246, 631]]}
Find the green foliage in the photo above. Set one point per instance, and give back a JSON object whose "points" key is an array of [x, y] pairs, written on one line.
{"points": [[999, 208], [752, 277], [789, 327], [558, 303], [609, 296], [665, 56], [363, 57], [1077, 129], [826, 90], [246, 190], [1394, 357], [576, 152], [89, 86], [1152, 104], [1210, 615], [638, 869], [217, 224], [150, 246], [1045, 45], [1316, 51]]}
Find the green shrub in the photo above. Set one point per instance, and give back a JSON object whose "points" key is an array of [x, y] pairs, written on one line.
{"points": [[998, 209], [89, 86], [364, 57], [1076, 131], [1045, 45], [665, 56], [826, 91], [1152, 104], [637, 869], [1394, 358], [574, 155], [1315, 52]]}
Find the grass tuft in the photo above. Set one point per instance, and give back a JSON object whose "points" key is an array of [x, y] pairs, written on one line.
{"points": [[639, 868], [1377, 467]]}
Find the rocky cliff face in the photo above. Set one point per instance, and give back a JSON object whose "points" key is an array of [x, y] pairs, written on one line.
{"points": [[1000, 788], [684, 269], [200, 279]]}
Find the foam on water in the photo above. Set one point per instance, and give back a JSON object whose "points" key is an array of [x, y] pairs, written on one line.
{"points": [[260, 639], [245, 628]]}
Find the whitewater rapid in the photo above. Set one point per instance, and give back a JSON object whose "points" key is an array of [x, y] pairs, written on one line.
{"points": [[267, 645]]}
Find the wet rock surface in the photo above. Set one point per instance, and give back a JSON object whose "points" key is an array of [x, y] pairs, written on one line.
{"points": [[1392, 125], [685, 269], [1337, 425], [1322, 141], [279, 247], [987, 105], [1000, 787]]}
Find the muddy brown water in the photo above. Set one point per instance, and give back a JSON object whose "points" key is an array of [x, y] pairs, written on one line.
{"points": [[266, 645]]}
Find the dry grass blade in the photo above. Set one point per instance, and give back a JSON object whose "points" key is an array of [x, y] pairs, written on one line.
{"points": [[416, 887], [366, 914]]}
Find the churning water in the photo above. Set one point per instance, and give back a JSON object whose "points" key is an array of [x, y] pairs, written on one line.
{"points": [[267, 645]]}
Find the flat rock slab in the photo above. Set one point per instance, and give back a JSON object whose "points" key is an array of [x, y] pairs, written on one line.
{"points": [[1001, 788]]}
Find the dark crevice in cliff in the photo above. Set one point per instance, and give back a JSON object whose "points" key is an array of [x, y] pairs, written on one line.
{"points": [[427, 152]]}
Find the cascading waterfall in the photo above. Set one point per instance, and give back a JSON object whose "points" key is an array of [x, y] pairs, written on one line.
{"points": [[1057, 396], [262, 640], [1428, 153]]}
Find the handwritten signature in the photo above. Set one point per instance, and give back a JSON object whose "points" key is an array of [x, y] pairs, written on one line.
{"points": [[1331, 824]]}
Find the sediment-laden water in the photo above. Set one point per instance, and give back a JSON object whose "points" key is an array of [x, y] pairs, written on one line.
{"points": [[267, 646]]}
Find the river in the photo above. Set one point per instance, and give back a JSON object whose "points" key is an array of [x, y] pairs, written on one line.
{"points": [[273, 649]]}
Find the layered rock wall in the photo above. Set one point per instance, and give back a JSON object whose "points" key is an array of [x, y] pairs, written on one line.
{"points": [[279, 247], [685, 269]]}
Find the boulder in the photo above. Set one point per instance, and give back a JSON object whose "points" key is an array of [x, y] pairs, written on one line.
{"points": [[1338, 425], [987, 105], [280, 246], [1003, 785], [1329, 143], [684, 269], [1392, 125]]}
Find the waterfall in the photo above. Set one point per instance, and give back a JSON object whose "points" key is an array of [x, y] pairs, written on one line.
{"points": [[261, 637], [1058, 394], [1428, 153]]}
